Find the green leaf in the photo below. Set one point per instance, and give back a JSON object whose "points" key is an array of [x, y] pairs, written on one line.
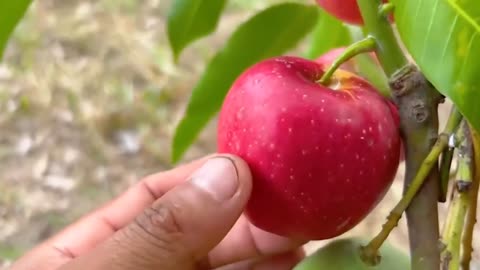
{"points": [[11, 11], [443, 37], [190, 20], [269, 33], [328, 33], [344, 254]]}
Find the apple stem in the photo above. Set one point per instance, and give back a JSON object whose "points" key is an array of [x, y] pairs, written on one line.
{"points": [[454, 224], [386, 9], [447, 157], [367, 44], [471, 218], [369, 253]]}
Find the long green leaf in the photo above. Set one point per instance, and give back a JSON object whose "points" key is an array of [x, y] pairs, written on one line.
{"points": [[328, 33], [443, 37], [190, 20], [269, 33], [11, 11]]}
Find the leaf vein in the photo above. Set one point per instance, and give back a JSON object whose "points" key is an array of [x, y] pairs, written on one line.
{"points": [[464, 15]]}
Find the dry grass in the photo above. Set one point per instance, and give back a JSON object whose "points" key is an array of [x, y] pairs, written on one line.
{"points": [[89, 98]]}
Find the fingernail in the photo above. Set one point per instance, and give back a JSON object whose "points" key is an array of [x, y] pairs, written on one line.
{"points": [[218, 176]]}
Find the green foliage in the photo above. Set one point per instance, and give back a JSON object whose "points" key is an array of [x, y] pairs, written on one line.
{"points": [[269, 33], [190, 20], [443, 37], [328, 33], [10, 14], [344, 255]]}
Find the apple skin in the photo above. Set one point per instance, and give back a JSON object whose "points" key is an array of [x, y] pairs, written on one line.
{"points": [[321, 159], [327, 59], [344, 10]]}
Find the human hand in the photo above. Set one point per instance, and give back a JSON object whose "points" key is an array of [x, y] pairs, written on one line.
{"points": [[186, 218]]}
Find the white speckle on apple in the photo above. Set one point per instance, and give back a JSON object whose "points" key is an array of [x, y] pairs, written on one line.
{"points": [[279, 156], [284, 109], [305, 96], [317, 148], [357, 156], [349, 120], [244, 130], [336, 120], [343, 224], [362, 138], [312, 122], [304, 152], [272, 146], [322, 100], [322, 110], [364, 131], [289, 130], [342, 165], [370, 128], [282, 120], [292, 177]]}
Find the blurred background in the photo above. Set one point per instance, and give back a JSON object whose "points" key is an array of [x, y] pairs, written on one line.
{"points": [[89, 99]]}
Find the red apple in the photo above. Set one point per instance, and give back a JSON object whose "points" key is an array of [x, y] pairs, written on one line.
{"points": [[345, 10], [327, 59], [321, 157]]}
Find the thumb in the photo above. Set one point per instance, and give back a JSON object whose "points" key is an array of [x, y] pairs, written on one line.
{"points": [[179, 229]]}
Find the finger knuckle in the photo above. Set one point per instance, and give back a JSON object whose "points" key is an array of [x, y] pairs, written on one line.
{"points": [[160, 223]]}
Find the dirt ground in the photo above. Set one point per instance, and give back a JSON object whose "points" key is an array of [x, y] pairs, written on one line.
{"points": [[89, 99]]}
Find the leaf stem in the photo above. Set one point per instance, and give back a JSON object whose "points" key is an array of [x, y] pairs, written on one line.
{"points": [[389, 53], [471, 219], [369, 252], [452, 234], [367, 44]]}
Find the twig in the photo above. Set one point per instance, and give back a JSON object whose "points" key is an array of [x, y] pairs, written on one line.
{"points": [[447, 157], [389, 53], [471, 219], [451, 238], [445, 166], [370, 251]]}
